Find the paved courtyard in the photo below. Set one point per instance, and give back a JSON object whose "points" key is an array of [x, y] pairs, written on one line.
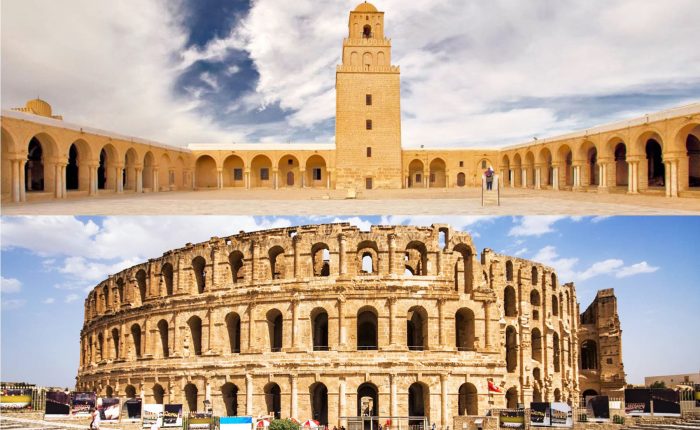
{"points": [[375, 202]]}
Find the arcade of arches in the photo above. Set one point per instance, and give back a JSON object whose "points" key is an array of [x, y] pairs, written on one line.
{"points": [[323, 321]]}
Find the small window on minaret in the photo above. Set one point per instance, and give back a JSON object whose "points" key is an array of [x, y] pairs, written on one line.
{"points": [[369, 151], [461, 164], [367, 32], [368, 99], [368, 124]]}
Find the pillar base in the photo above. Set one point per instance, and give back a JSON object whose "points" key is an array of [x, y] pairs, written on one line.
{"points": [[603, 190]]}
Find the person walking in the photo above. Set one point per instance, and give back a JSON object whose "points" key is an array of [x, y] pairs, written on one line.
{"points": [[489, 178], [95, 423]]}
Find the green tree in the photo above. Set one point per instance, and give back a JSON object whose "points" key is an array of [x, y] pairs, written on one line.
{"points": [[286, 424], [658, 384]]}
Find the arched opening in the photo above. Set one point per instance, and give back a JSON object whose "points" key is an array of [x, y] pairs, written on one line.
{"points": [[367, 31], [461, 179], [512, 398], [367, 326], [34, 167], [277, 263], [537, 345], [509, 271], [464, 329], [319, 403], [416, 258], [554, 281], [418, 403], [566, 165], [417, 329], [105, 295], [100, 347], [592, 157], [158, 394], [692, 146], [319, 329], [438, 178], [621, 167], [589, 393], [163, 331], [555, 305], [115, 344], [136, 339], [109, 391], [464, 269], [367, 400], [415, 174], [130, 391], [120, 290], [517, 170], [320, 259], [506, 176], [200, 274], [557, 395], [166, 177], [530, 169], [468, 400], [261, 171], [72, 172], [367, 253], [535, 303], [233, 171], [289, 171], [655, 164], [556, 356], [533, 275], [274, 327], [147, 173], [546, 170], [509, 302], [233, 328], [205, 172], [167, 272], [195, 325], [129, 173], [141, 283], [229, 394], [316, 175], [191, 393], [273, 399], [511, 349], [589, 355], [235, 260]]}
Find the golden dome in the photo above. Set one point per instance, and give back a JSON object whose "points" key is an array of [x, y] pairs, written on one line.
{"points": [[39, 107], [365, 7]]}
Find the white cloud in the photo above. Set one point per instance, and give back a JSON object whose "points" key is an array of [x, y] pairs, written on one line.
{"points": [[564, 266], [70, 298], [48, 300], [460, 223], [13, 304], [601, 268], [534, 225], [10, 285], [520, 252], [636, 269]]}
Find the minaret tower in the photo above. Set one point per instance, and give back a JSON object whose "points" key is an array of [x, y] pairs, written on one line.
{"points": [[368, 106]]}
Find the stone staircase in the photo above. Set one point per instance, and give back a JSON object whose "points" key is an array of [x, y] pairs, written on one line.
{"points": [[681, 424], [490, 198]]}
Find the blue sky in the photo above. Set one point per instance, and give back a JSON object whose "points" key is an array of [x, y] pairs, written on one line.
{"points": [[49, 264], [474, 73]]}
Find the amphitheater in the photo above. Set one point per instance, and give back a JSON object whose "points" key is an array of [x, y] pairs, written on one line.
{"points": [[44, 157], [329, 322]]}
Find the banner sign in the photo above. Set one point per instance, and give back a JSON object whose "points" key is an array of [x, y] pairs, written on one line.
{"points": [[512, 418], [598, 408], [152, 413], [109, 408], [57, 403], [82, 403], [562, 416], [235, 423], [638, 401], [667, 402], [133, 409], [540, 416], [199, 420], [172, 417], [15, 398]]}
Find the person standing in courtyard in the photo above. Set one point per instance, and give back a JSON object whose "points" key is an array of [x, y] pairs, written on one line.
{"points": [[489, 178]]}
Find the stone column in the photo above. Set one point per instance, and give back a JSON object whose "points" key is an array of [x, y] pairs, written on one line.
{"points": [[302, 173], [64, 190], [393, 329], [139, 180], [248, 394], [441, 324], [295, 406], [58, 184], [251, 327], [445, 400], [154, 181], [119, 180], [295, 327], [92, 180], [577, 177], [341, 401], [342, 332], [633, 186], [22, 181], [392, 252], [342, 269], [15, 181], [247, 179], [276, 176], [487, 324], [511, 178], [602, 176], [394, 411], [523, 178], [295, 245], [328, 179], [538, 178], [555, 178]]}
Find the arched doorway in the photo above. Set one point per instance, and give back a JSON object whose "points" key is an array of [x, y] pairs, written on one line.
{"points": [[592, 159], [565, 163], [367, 329], [158, 394], [438, 176], [191, 394], [546, 169], [692, 147], [512, 398], [147, 174], [621, 166], [290, 179], [195, 326], [129, 175], [163, 332], [461, 179], [261, 172], [233, 327], [464, 329], [418, 403], [468, 400], [655, 165], [106, 170], [205, 172], [289, 171], [234, 170], [319, 403], [319, 329], [229, 394], [37, 176], [415, 174], [417, 329], [316, 174], [367, 400], [274, 326], [273, 399]]}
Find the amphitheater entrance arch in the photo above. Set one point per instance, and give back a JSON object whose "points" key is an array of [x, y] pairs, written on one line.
{"points": [[417, 329], [464, 329], [512, 398], [468, 400], [511, 349], [229, 395], [319, 329], [621, 166], [367, 400], [158, 394], [367, 326], [418, 403], [163, 332], [274, 326], [273, 399], [233, 327], [195, 325], [319, 403], [191, 394], [656, 170]]}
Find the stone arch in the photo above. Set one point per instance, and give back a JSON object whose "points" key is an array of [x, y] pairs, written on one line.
{"points": [[517, 170], [367, 400], [464, 268], [530, 168], [557, 395], [320, 259], [234, 171], [565, 162], [589, 355], [620, 166], [589, 393], [166, 176], [38, 172], [277, 262], [235, 260], [505, 168], [588, 151], [367, 59], [465, 330], [130, 391], [158, 394], [319, 402], [136, 340], [195, 326], [367, 329], [319, 329], [109, 391], [116, 339], [120, 290], [438, 173], [163, 331], [289, 171], [461, 179], [147, 173], [273, 399], [205, 172], [535, 303], [510, 302], [141, 285], [261, 171], [653, 171], [181, 181], [545, 162], [468, 403], [229, 395], [555, 305], [417, 329], [100, 347], [416, 258], [130, 163], [79, 154], [512, 398], [687, 140], [368, 257], [536, 345], [415, 174], [107, 174], [233, 329], [511, 349], [509, 271], [275, 326], [556, 352], [200, 273], [418, 402], [167, 273], [191, 394], [316, 172]]}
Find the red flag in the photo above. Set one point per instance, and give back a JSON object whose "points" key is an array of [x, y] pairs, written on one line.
{"points": [[493, 388]]}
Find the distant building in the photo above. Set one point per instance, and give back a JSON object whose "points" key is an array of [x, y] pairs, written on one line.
{"points": [[671, 381]]}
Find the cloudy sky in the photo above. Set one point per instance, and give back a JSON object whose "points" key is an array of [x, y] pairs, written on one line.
{"points": [[474, 73], [650, 261]]}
